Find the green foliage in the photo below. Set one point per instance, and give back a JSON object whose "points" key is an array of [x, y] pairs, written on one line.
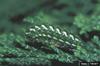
{"points": [[47, 31], [87, 23], [9, 52], [96, 40], [41, 18]]}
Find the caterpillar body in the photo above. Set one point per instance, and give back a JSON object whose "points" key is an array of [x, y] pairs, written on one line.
{"points": [[52, 35]]}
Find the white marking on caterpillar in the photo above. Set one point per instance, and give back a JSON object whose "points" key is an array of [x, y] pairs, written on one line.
{"points": [[37, 27], [71, 36], [58, 30], [64, 33], [49, 36], [73, 45], [67, 43], [32, 29], [76, 39], [36, 35], [55, 38], [44, 27], [44, 35], [27, 33], [51, 28], [40, 35], [61, 40]]}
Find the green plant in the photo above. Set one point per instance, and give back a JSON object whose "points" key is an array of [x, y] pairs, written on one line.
{"points": [[87, 23], [38, 32]]}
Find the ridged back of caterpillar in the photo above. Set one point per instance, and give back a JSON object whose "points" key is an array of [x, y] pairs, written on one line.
{"points": [[50, 34]]}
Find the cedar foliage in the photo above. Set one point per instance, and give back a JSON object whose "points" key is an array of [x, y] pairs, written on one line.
{"points": [[40, 32]]}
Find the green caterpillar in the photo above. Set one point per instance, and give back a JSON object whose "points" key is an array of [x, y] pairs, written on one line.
{"points": [[52, 35]]}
